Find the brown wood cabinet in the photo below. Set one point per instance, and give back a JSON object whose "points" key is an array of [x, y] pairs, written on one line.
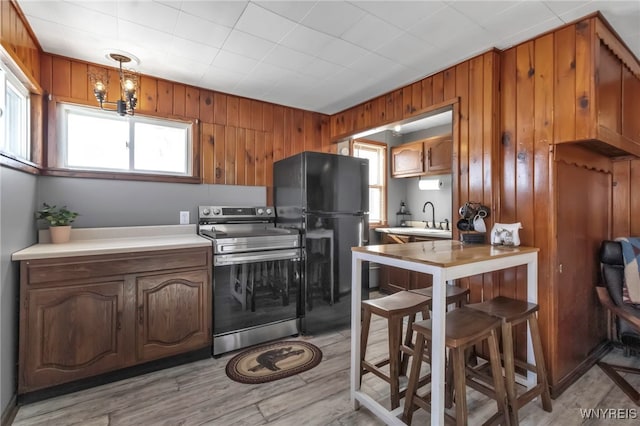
{"points": [[72, 332], [87, 315], [172, 313], [407, 159], [392, 279], [430, 156], [438, 153]]}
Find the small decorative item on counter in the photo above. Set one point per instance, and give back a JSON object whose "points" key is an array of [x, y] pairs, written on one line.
{"points": [[59, 220], [506, 234], [403, 208]]}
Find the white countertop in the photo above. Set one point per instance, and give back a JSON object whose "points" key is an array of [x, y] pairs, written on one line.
{"points": [[421, 232], [96, 241]]}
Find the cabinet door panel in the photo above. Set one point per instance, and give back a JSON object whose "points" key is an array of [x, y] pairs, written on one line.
{"points": [[439, 155], [173, 313], [73, 332], [393, 279], [407, 159]]}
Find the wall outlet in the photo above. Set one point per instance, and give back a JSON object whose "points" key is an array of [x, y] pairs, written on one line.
{"points": [[184, 218]]}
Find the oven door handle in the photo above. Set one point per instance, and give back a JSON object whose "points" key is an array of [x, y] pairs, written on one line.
{"points": [[240, 258]]}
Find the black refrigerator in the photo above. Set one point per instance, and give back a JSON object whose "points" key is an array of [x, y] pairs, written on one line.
{"points": [[326, 197]]}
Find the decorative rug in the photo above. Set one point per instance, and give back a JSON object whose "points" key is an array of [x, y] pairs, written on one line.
{"points": [[273, 361]]}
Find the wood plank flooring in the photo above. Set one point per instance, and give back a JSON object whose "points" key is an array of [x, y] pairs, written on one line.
{"points": [[201, 394]]}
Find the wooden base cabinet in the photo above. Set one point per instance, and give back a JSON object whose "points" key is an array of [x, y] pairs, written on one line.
{"points": [[392, 279], [72, 333], [172, 313], [88, 315]]}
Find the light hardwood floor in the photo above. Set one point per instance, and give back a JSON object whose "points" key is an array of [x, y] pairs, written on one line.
{"points": [[201, 394]]}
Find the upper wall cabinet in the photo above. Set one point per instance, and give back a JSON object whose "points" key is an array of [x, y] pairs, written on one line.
{"points": [[597, 90], [425, 157], [408, 159], [438, 153], [618, 93]]}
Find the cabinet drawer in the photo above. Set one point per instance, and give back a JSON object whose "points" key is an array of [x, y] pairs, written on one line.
{"points": [[85, 267]]}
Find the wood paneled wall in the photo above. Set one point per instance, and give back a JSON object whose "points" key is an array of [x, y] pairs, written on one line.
{"points": [[472, 89], [18, 41], [240, 138], [547, 98], [626, 198]]}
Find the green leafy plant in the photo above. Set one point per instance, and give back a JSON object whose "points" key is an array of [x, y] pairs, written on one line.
{"points": [[56, 216]]}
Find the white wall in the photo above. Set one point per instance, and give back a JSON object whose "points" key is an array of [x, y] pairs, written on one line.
{"points": [[101, 203], [17, 231], [105, 202]]}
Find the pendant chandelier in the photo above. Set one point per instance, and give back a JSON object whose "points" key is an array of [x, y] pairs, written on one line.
{"points": [[128, 82]]}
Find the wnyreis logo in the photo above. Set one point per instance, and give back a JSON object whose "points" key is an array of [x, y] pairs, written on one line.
{"points": [[609, 413]]}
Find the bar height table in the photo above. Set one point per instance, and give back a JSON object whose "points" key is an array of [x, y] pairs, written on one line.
{"points": [[445, 260]]}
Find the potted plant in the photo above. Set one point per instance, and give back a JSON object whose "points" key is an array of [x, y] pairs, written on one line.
{"points": [[59, 220]]}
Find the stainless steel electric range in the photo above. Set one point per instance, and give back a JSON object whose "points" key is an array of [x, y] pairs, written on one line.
{"points": [[256, 276]]}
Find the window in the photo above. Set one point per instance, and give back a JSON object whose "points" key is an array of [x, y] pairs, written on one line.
{"points": [[376, 153], [103, 141], [14, 117]]}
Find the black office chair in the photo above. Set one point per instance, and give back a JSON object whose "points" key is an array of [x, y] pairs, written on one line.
{"points": [[627, 315]]}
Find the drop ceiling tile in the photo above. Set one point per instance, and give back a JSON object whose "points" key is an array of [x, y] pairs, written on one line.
{"points": [[402, 14], [233, 62], [287, 58], [373, 65], [341, 52], [107, 7], [220, 79], [436, 29], [518, 18], [199, 30], [224, 13], [148, 14], [144, 36], [294, 10], [333, 18], [271, 72], [483, 11], [264, 23], [247, 45], [528, 33], [561, 6], [89, 21], [305, 39], [321, 69], [404, 48], [370, 32], [192, 50]]}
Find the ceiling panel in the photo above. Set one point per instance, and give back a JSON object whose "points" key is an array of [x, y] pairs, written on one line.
{"points": [[319, 55]]}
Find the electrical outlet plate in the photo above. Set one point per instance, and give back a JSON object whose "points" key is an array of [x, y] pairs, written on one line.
{"points": [[184, 218]]}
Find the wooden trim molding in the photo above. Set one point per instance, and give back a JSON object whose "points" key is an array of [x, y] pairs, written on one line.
{"points": [[6, 160], [581, 157], [9, 414], [613, 42], [119, 176]]}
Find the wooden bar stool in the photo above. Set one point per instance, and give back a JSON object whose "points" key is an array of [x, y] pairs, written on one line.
{"points": [[454, 295], [394, 308], [465, 328], [512, 312]]}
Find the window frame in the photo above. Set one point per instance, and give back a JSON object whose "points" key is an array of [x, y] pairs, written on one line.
{"points": [[57, 155], [381, 146], [8, 78]]}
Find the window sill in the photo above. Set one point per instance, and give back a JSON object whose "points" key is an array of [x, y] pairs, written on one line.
{"points": [[8, 160], [119, 176]]}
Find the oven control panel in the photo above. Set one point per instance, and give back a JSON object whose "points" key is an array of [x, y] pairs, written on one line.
{"points": [[236, 213]]}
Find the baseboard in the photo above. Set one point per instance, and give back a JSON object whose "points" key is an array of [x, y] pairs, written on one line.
{"points": [[10, 412], [591, 360], [125, 373]]}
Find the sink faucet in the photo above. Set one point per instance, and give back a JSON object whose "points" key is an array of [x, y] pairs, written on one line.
{"points": [[433, 214]]}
